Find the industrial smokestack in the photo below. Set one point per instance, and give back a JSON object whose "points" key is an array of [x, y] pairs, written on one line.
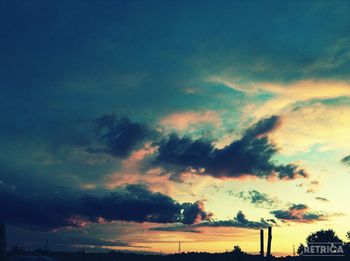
{"points": [[269, 239], [261, 242], [2, 240]]}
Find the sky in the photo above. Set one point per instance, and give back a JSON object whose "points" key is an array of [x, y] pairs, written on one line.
{"points": [[132, 125]]}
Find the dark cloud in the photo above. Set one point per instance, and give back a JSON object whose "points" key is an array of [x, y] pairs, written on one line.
{"points": [[264, 126], [119, 136], [129, 203], [132, 203], [65, 239], [184, 151], [177, 228], [239, 221], [298, 213], [346, 160], [258, 199], [86, 241], [322, 199], [250, 155], [290, 171], [299, 207], [194, 213]]}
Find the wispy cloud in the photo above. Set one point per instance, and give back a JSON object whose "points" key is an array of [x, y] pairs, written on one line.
{"points": [[346, 160], [303, 105], [189, 120], [258, 199], [299, 213], [322, 199]]}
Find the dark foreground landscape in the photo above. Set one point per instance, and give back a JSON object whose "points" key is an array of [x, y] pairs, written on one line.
{"points": [[322, 238], [18, 254], [39, 255]]}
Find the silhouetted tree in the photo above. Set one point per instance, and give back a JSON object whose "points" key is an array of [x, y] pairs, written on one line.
{"points": [[348, 235], [301, 249], [319, 237], [323, 236], [237, 251]]}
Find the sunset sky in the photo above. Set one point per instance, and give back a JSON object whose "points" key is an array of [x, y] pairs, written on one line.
{"points": [[132, 125]]}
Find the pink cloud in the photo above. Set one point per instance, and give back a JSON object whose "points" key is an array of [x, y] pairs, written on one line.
{"points": [[186, 120]]}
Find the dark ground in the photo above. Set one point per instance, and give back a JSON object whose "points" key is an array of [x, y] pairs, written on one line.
{"points": [[119, 256]]}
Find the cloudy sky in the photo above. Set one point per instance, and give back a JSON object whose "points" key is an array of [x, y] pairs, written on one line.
{"points": [[133, 125]]}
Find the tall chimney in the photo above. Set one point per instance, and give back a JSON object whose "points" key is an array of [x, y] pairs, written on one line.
{"points": [[2, 240], [261, 242], [269, 239]]}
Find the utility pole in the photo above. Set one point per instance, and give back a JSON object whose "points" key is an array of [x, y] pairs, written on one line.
{"points": [[179, 247], [269, 239], [261, 242], [293, 250]]}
